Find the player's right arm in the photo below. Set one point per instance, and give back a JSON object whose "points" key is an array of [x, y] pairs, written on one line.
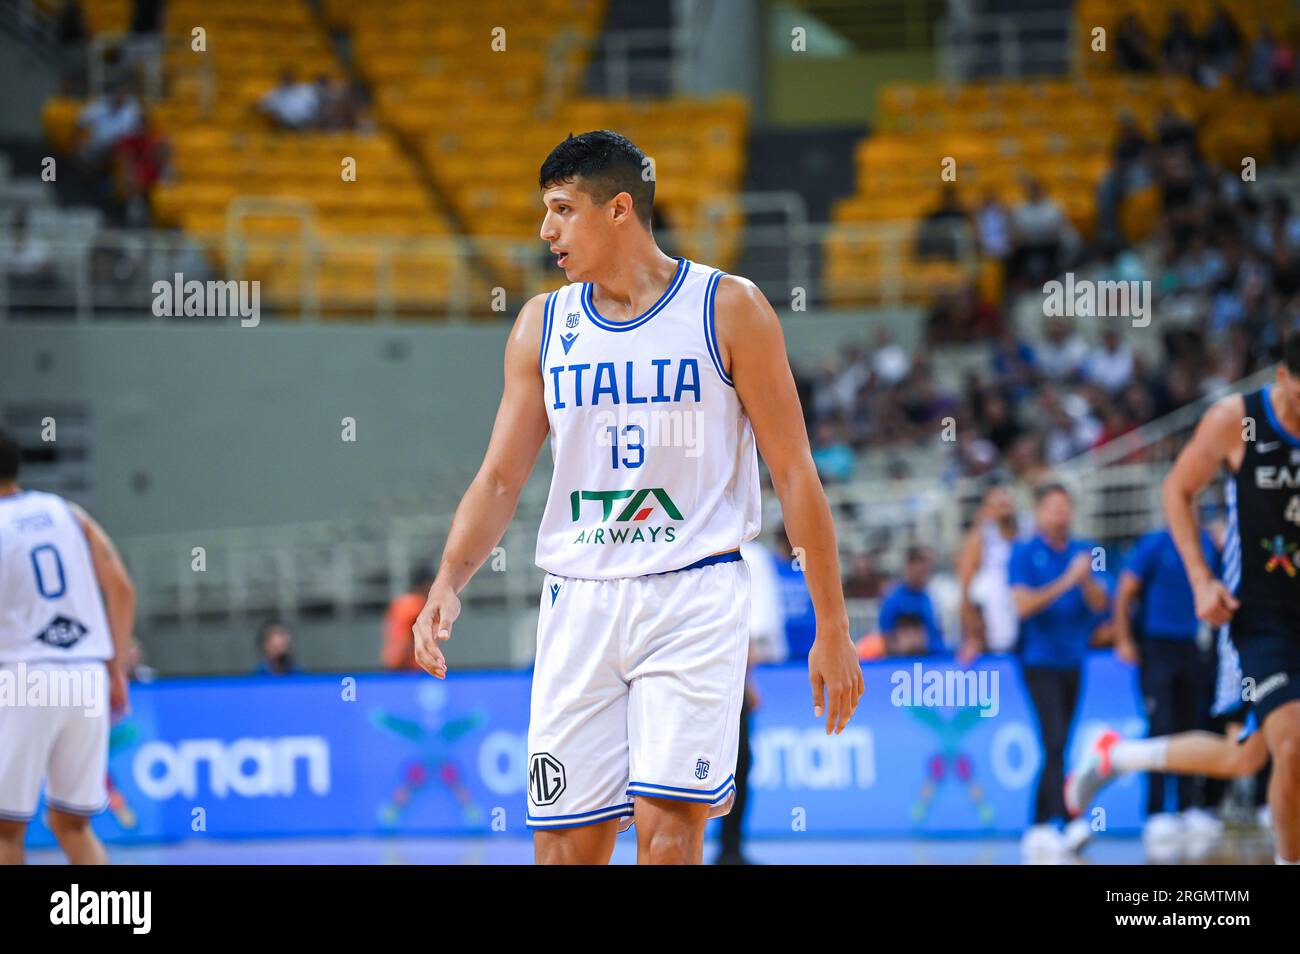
{"points": [[488, 505], [119, 602], [1217, 440]]}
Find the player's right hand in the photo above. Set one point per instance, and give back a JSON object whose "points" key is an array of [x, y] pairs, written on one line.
{"points": [[1214, 603], [432, 627], [1079, 568]]}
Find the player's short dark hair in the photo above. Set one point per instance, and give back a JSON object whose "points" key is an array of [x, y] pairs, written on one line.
{"points": [[1043, 491], [916, 554], [1291, 352], [607, 164], [908, 619], [10, 455]]}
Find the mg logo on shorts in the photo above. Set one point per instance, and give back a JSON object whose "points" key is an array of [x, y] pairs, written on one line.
{"points": [[701, 769], [545, 778]]}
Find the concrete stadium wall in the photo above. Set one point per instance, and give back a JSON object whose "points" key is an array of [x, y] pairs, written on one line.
{"points": [[220, 426]]}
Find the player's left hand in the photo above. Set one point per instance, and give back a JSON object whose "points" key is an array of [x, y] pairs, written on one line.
{"points": [[119, 700], [836, 677]]}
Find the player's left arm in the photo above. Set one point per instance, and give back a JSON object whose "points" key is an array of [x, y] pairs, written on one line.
{"points": [[752, 349], [119, 599]]}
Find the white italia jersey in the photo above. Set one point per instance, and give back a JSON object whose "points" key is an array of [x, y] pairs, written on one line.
{"points": [[50, 606], [655, 462]]}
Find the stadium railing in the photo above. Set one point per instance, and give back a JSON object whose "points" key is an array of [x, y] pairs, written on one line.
{"points": [[343, 567], [295, 269]]}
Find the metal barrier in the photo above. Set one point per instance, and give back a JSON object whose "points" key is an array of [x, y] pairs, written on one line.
{"points": [[114, 270]]}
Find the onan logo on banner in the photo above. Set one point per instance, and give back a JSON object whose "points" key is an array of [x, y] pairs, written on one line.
{"points": [[249, 768]]}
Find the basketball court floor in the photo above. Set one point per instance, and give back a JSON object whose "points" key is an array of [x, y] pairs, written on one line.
{"points": [[1246, 846]]}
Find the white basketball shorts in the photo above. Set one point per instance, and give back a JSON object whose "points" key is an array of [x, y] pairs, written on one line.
{"points": [[54, 722], [637, 692]]}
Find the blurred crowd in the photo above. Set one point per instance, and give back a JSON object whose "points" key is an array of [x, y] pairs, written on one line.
{"points": [[1219, 53], [1223, 263]]}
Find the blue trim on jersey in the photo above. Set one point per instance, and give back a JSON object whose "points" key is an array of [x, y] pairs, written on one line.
{"points": [[1232, 539], [673, 792], [685, 798], [548, 316], [731, 556], [710, 331], [70, 809], [1250, 727], [700, 792], [589, 306], [580, 819], [1282, 432]]}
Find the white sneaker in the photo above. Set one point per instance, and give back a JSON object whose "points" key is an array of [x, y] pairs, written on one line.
{"points": [[1162, 836], [1041, 842], [1076, 836], [1164, 826], [1198, 823]]}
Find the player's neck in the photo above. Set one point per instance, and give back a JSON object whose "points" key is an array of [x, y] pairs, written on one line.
{"points": [[635, 282], [1282, 412], [9, 487]]}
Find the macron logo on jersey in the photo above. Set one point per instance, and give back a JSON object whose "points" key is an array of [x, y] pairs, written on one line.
{"points": [[555, 591], [568, 339]]}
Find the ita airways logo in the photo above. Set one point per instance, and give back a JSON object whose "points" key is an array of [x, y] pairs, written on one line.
{"points": [[637, 510], [1281, 556]]}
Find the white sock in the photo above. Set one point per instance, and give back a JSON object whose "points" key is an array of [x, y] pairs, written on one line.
{"points": [[1139, 755], [1279, 860]]}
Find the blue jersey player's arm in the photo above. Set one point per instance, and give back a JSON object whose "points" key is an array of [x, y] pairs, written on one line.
{"points": [[1216, 442], [488, 505], [753, 350]]}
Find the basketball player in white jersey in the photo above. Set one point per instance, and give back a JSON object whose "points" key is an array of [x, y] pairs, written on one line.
{"points": [[988, 609], [56, 630], [657, 380]]}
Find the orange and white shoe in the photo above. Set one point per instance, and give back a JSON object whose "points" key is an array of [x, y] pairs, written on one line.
{"points": [[1091, 775]]}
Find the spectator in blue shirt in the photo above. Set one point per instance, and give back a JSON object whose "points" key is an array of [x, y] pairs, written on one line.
{"points": [[275, 651], [796, 601], [1059, 600], [911, 598], [1173, 675]]}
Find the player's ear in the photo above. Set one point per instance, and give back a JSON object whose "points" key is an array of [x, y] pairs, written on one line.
{"points": [[621, 206]]}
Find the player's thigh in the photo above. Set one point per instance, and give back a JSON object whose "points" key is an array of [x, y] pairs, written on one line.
{"points": [[76, 779], [688, 684], [1250, 754], [577, 727], [583, 845], [26, 735], [670, 815], [1281, 731]]}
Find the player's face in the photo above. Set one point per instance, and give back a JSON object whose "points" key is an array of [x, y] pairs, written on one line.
{"points": [[573, 227]]}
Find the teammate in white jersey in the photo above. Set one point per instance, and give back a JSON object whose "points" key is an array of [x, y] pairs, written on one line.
{"points": [[61, 646], [658, 380]]}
